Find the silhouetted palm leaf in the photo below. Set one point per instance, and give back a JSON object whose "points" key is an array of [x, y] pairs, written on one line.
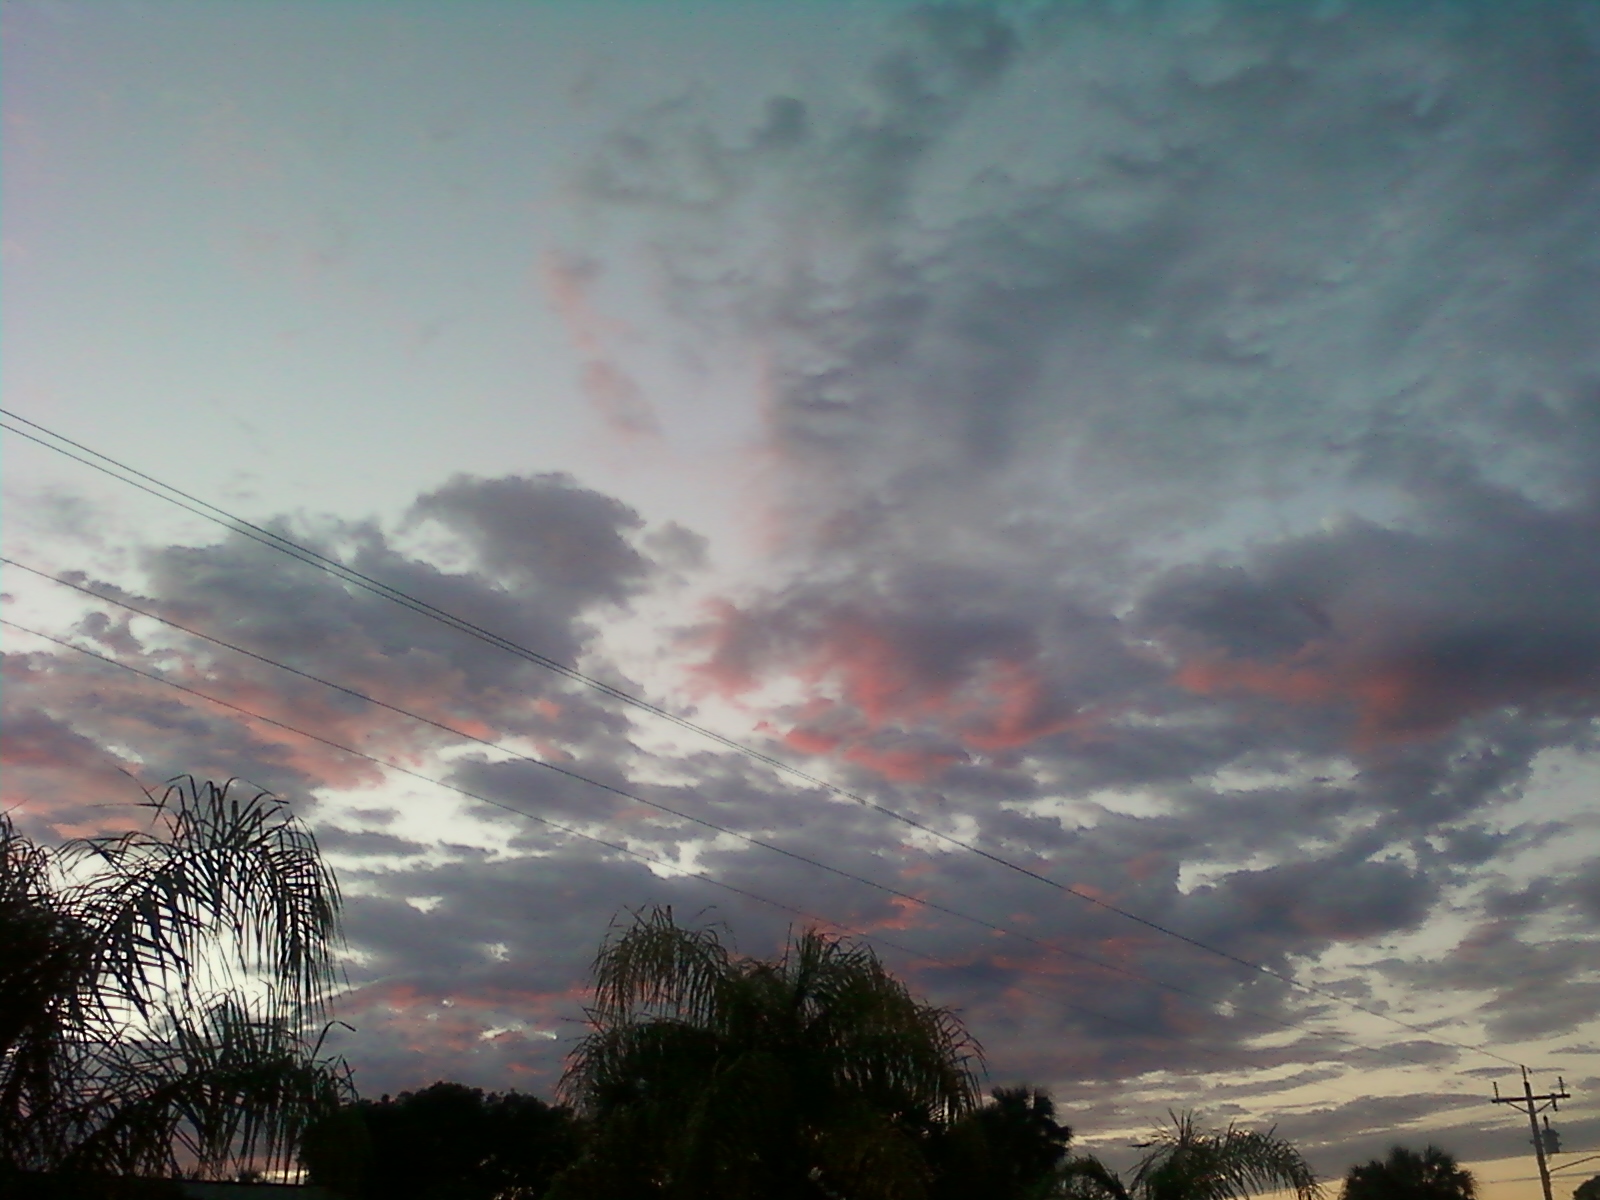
{"points": [[127, 1042], [709, 1075], [1186, 1162]]}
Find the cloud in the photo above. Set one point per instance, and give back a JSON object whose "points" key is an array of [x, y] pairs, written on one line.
{"points": [[1186, 445], [1327, 898], [947, 652], [615, 395], [563, 543], [1185, 428], [1583, 890], [1537, 985], [1486, 607], [543, 555], [52, 772]]}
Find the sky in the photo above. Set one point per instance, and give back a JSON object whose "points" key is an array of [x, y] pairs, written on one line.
{"points": [[1152, 446]]}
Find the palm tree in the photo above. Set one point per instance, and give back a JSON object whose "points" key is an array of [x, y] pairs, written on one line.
{"points": [[1186, 1162], [159, 990], [707, 1075], [1408, 1175]]}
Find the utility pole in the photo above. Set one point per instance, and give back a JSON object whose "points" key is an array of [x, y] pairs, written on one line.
{"points": [[1533, 1106]]}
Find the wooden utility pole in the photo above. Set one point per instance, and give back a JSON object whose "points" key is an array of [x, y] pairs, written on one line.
{"points": [[1533, 1106]]}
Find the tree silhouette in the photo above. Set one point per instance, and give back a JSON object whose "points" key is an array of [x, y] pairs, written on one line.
{"points": [[1589, 1189], [159, 990], [707, 1075], [1186, 1162], [1407, 1174], [446, 1142], [1008, 1149]]}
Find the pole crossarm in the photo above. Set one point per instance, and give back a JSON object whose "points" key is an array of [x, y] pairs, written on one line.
{"points": [[1533, 1105]]}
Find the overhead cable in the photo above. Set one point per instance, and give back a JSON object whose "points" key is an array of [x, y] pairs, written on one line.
{"points": [[895, 893], [577, 833], [113, 468]]}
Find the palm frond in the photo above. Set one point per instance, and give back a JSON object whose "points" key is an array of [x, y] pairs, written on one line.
{"points": [[1186, 1162], [1085, 1177], [157, 988], [731, 1077], [224, 1086], [658, 967], [47, 956], [219, 870]]}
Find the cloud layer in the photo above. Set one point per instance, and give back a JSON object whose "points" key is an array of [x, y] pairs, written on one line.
{"points": [[1185, 423]]}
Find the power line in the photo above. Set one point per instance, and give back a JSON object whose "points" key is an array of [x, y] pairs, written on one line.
{"points": [[287, 546], [569, 831], [1048, 947], [310, 557]]}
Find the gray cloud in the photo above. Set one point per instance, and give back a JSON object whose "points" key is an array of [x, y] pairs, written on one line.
{"points": [[1196, 406], [552, 537], [1583, 890], [1187, 451], [546, 554]]}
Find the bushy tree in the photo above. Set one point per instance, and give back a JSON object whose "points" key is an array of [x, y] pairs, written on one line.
{"points": [[1431, 1174], [708, 1075], [162, 991], [445, 1142], [1011, 1148]]}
